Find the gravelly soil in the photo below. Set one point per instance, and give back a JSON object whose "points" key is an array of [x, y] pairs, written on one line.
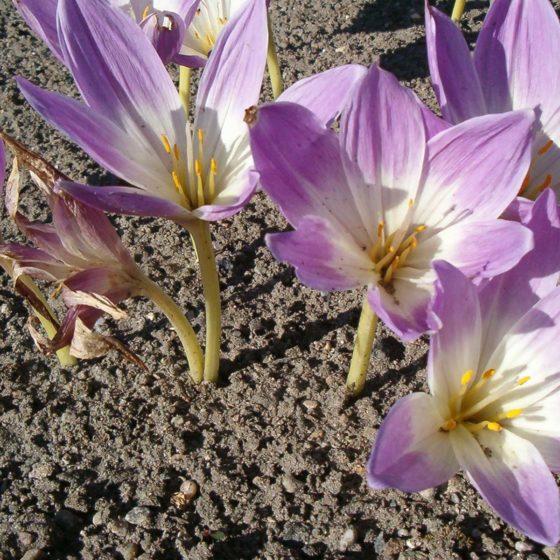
{"points": [[92, 457]]}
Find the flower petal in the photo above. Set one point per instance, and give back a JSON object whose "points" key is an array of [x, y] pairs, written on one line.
{"points": [[383, 132], [410, 452], [326, 94], [513, 56], [324, 258], [40, 15], [125, 200], [452, 70], [475, 169], [34, 262], [165, 31], [302, 168], [512, 476]]}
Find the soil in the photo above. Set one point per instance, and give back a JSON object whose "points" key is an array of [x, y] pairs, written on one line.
{"points": [[93, 457]]}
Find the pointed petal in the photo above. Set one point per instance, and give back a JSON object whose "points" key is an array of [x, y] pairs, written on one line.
{"points": [[410, 452], [452, 70], [455, 347], [434, 124], [383, 132], [513, 56], [302, 168], [165, 31], [484, 249], [34, 262], [125, 200], [475, 169], [514, 479], [506, 298], [324, 258], [40, 15], [118, 72], [326, 94]]}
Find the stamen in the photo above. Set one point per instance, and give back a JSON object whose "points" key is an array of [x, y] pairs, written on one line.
{"points": [[197, 35], [466, 377], [420, 228], [494, 427], [545, 184], [449, 425], [166, 143], [385, 260], [177, 182], [200, 186], [514, 413], [406, 252], [545, 148], [212, 180], [488, 374], [391, 270], [410, 202], [389, 241], [525, 184], [523, 380], [176, 152], [146, 12]]}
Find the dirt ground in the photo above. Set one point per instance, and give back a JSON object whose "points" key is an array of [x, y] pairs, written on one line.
{"points": [[92, 456]]}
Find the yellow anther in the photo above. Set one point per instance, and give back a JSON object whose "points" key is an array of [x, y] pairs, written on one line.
{"points": [[513, 413], [488, 373], [525, 183], [212, 180], [146, 12], [466, 377], [410, 202], [449, 425], [213, 166], [384, 261], [545, 148], [494, 427], [177, 182], [176, 152], [198, 168], [197, 35], [200, 135], [380, 228], [391, 270], [166, 144], [388, 245], [420, 228], [523, 380]]}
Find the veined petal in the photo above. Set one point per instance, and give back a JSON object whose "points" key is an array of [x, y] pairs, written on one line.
{"points": [[403, 306], [324, 258], [232, 79], [519, 210], [513, 56], [34, 262], [410, 452], [383, 132], [434, 124], [119, 73], [326, 94], [40, 15], [455, 346], [513, 478], [452, 70], [475, 169], [506, 298], [302, 168], [484, 249], [125, 200], [109, 145], [166, 31]]}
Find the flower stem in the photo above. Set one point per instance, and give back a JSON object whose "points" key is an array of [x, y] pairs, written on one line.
{"points": [[363, 346], [185, 87], [272, 63], [51, 328], [458, 10], [202, 240], [176, 317]]}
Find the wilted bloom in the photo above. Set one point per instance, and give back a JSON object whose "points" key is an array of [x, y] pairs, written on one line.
{"points": [[375, 205], [133, 122], [494, 377], [513, 67], [182, 31]]}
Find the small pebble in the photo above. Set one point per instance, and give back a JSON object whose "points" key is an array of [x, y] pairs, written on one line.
{"points": [[34, 554], [189, 488], [348, 538], [522, 546], [455, 498], [119, 527], [150, 316], [310, 404], [413, 544], [129, 551], [140, 515], [289, 483], [428, 494], [26, 539]]}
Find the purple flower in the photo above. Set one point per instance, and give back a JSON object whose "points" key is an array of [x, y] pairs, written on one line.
{"points": [[375, 205], [494, 378], [512, 68], [133, 123]]}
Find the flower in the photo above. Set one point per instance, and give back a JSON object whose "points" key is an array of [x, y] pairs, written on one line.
{"points": [[377, 204], [512, 68], [494, 378], [80, 250], [133, 123]]}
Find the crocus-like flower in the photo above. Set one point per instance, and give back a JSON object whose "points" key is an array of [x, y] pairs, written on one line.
{"points": [[377, 204], [494, 377], [133, 122], [512, 68], [182, 31]]}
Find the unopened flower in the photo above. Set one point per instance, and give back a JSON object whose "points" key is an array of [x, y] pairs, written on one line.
{"points": [[133, 123], [375, 205], [512, 68], [494, 377]]}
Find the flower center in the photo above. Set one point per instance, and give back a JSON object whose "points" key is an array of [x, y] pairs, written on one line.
{"points": [[390, 252], [469, 407], [528, 189], [206, 32], [201, 189]]}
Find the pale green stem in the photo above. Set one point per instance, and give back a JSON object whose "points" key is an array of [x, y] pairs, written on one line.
{"points": [[63, 355], [363, 346], [185, 87], [182, 327], [202, 240], [458, 10], [272, 63]]}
